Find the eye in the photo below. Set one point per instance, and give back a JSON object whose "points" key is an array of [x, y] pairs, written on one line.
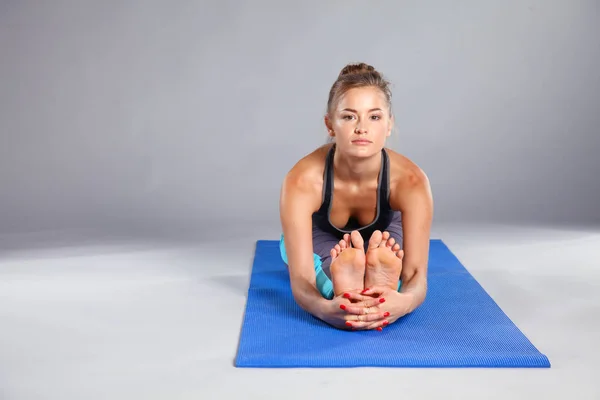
{"points": [[347, 117], [377, 117]]}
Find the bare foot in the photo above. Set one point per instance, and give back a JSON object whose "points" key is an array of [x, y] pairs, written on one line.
{"points": [[348, 264], [384, 261]]}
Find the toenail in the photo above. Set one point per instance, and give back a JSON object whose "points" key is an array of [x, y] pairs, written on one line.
{"points": [[385, 323], [386, 314], [346, 295], [382, 300], [348, 323], [343, 307]]}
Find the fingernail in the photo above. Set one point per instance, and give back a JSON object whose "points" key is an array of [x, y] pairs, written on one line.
{"points": [[380, 329], [347, 295], [382, 300], [364, 291], [343, 307], [386, 314], [348, 323], [385, 323]]}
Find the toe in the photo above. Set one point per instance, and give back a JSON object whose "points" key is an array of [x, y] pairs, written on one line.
{"points": [[390, 243], [385, 236], [333, 254], [375, 240], [357, 240], [400, 254], [342, 245], [347, 240]]}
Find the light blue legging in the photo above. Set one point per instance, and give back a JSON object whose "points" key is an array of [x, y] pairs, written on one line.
{"points": [[324, 284]]}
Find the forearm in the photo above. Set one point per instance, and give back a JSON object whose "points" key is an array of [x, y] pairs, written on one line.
{"points": [[415, 285], [308, 297]]}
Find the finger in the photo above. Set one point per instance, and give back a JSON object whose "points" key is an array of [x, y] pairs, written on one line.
{"points": [[379, 325], [354, 309], [355, 297], [366, 325], [357, 325], [374, 290], [349, 306], [370, 317], [362, 308], [370, 302]]}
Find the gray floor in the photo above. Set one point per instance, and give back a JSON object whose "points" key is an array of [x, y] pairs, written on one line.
{"points": [[123, 318]]}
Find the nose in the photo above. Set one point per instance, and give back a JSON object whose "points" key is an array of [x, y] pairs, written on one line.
{"points": [[359, 130]]}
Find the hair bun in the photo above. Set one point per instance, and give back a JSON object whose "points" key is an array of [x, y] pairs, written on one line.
{"points": [[357, 75], [357, 68]]}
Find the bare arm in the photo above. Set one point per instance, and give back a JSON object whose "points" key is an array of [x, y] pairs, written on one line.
{"points": [[416, 204], [297, 203]]}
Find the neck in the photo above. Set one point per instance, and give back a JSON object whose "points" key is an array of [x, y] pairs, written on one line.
{"points": [[357, 170]]}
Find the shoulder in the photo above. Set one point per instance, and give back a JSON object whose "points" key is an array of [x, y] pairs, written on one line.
{"points": [[307, 174], [407, 181]]}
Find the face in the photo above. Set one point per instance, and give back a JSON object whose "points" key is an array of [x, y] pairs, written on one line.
{"points": [[360, 122]]}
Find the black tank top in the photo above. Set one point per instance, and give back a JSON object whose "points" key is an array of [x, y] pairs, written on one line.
{"points": [[384, 213]]}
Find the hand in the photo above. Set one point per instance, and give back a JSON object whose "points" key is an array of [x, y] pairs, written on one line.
{"points": [[396, 304], [354, 311]]}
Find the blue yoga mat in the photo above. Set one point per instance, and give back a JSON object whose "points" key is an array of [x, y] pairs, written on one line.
{"points": [[458, 325]]}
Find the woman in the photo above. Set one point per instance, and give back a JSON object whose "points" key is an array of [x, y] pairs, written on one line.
{"points": [[355, 215]]}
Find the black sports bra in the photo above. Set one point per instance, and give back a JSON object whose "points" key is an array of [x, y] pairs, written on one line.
{"points": [[384, 212]]}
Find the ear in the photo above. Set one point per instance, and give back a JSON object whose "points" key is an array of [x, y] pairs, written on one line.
{"points": [[328, 125], [390, 126]]}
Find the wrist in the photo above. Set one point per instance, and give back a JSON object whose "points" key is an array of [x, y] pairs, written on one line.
{"points": [[414, 301], [411, 302], [322, 308]]}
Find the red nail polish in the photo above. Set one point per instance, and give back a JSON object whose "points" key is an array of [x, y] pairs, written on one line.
{"points": [[382, 300], [348, 323], [346, 295], [343, 307], [385, 323], [380, 329], [386, 314]]}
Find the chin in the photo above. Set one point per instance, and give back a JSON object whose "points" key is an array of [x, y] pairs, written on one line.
{"points": [[364, 151]]}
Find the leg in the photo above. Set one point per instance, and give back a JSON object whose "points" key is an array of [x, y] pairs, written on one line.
{"points": [[396, 239], [384, 257], [326, 249], [324, 284], [348, 264]]}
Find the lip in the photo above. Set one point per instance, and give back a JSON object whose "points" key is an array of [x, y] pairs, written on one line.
{"points": [[361, 142]]}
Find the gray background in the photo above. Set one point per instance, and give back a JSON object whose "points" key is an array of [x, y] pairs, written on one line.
{"points": [[184, 116], [142, 120]]}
